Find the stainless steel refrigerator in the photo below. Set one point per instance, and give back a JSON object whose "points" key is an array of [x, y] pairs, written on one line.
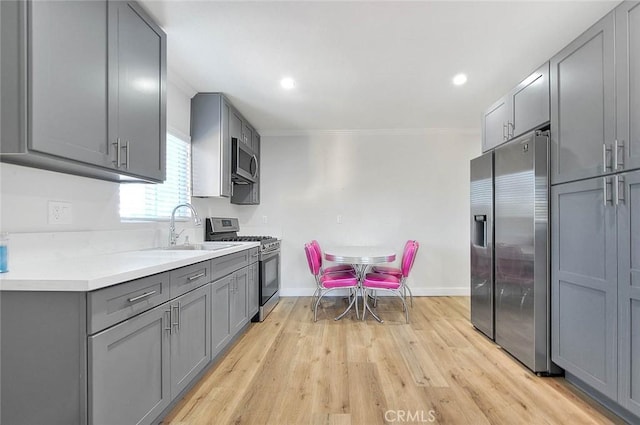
{"points": [[516, 294]]}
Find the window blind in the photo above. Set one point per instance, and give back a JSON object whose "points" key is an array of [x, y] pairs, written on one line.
{"points": [[157, 201]]}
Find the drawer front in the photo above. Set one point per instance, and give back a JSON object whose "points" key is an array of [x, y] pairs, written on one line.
{"points": [[253, 255], [111, 305], [227, 264], [190, 277]]}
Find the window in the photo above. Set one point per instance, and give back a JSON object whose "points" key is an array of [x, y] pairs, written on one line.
{"points": [[157, 201]]}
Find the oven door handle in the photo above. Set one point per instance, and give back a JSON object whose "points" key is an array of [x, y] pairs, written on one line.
{"points": [[268, 255]]}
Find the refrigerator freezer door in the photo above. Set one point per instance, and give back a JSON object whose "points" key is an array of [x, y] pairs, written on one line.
{"points": [[521, 252], [482, 243]]}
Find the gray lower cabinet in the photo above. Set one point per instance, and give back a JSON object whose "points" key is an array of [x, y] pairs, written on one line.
{"points": [[238, 311], [220, 306], [584, 282], [137, 367], [596, 284], [129, 370], [190, 337], [629, 290], [83, 89], [583, 104], [121, 354]]}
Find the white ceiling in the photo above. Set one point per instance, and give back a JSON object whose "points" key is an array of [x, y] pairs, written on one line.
{"points": [[365, 65]]}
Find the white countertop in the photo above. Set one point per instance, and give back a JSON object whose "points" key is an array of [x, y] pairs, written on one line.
{"points": [[94, 272]]}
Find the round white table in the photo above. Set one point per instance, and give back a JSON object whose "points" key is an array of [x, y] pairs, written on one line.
{"points": [[360, 257]]}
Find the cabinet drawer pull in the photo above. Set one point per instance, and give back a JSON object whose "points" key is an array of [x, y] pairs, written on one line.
{"points": [[139, 297], [196, 276]]}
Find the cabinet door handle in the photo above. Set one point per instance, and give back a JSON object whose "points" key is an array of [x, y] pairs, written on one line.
{"points": [[196, 276], [605, 168], [139, 297], [620, 190], [511, 128], [618, 163], [504, 128], [167, 326], [126, 158], [116, 161], [176, 321], [606, 182]]}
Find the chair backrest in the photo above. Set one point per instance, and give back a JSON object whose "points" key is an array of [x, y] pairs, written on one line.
{"points": [[312, 259], [409, 256], [314, 243]]}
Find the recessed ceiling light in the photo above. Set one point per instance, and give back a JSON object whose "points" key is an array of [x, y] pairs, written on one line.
{"points": [[460, 79], [287, 83]]}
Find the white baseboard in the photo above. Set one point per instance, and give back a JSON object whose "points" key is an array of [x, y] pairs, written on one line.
{"points": [[418, 292]]}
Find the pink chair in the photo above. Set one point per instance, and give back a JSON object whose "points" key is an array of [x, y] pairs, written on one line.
{"points": [[327, 282], [397, 272], [333, 269], [390, 283]]}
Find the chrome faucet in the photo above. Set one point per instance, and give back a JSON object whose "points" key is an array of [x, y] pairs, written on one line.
{"points": [[173, 237]]}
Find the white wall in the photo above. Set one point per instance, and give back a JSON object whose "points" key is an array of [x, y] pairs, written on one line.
{"points": [[388, 186]]}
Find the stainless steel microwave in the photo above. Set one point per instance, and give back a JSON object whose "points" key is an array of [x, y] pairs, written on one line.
{"points": [[244, 163]]}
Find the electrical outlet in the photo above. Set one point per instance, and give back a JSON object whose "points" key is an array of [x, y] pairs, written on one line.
{"points": [[264, 219], [339, 219], [60, 212]]}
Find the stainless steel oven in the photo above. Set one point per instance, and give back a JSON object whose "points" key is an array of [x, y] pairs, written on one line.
{"points": [[225, 229], [269, 266]]}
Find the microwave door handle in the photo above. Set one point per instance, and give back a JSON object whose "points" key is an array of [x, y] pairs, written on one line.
{"points": [[255, 158]]}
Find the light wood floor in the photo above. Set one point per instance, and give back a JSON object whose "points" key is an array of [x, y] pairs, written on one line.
{"points": [[437, 369]]}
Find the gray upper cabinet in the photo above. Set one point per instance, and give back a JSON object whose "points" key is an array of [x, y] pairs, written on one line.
{"points": [[494, 124], [83, 89], [130, 362], [530, 102], [627, 148], [214, 124], [628, 199], [211, 122], [584, 282], [583, 122], [137, 75], [69, 80], [525, 108]]}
